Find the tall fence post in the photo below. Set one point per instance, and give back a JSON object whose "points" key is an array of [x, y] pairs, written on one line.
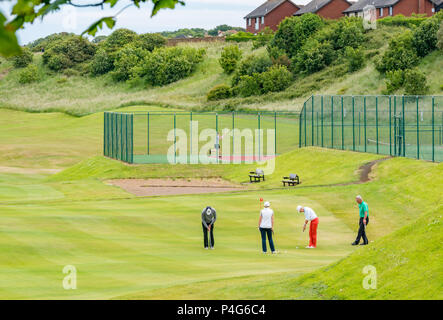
{"points": [[312, 121], [395, 126], [322, 121], [190, 135], [390, 128], [342, 125], [364, 121], [259, 137], [217, 139], [418, 131], [299, 128], [148, 129], [233, 130], [275, 133], [175, 140], [104, 133], [132, 139], [353, 123], [304, 108], [376, 120], [403, 126], [433, 128], [332, 122]]}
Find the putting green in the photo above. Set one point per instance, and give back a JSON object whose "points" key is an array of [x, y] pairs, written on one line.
{"points": [[139, 245]]}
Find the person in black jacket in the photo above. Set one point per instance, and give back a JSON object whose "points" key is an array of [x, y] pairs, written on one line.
{"points": [[209, 216]]}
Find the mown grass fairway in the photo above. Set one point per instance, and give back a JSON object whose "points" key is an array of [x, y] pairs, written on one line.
{"points": [[126, 247]]}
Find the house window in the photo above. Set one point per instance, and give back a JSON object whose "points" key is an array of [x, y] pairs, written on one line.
{"points": [[381, 12], [390, 11], [263, 20], [249, 21], [257, 24]]}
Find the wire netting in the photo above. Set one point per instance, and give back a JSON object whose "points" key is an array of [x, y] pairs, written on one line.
{"points": [[408, 126]]}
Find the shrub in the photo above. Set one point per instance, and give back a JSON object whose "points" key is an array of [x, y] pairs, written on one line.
{"points": [[394, 80], [249, 85], [294, 31], [150, 41], [400, 54], [28, 74], [24, 59], [314, 56], [240, 37], [229, 59], [167, 65], [348, 32], [279, 57], [219, 92], [126, 59], [43, 43], [102, 63], [440, 37], [355, 58], [415, 82], [277, 78], [263, 38], [401, 21], [118, 39], [250, 65], [424, 38], [67, 52], [71, 72]]}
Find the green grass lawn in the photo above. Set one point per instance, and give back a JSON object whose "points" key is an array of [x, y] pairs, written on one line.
{"points": [[126, 247]]}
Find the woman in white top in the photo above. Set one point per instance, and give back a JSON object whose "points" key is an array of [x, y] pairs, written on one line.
{"points": [[266, 226], [312, 217]]}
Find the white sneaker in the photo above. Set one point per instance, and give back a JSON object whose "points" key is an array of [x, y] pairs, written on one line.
{"points": [[309, 247], [206, 248], [212, 248]]}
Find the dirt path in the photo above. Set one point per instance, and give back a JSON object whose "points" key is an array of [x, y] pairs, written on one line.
{"points": [[163, 187]]}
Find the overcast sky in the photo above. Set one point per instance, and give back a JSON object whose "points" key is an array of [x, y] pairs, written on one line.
{"points": [[196, 14]]}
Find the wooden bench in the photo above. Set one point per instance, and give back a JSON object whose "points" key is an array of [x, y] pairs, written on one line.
{"points": [[292, 180], [256, 176]]}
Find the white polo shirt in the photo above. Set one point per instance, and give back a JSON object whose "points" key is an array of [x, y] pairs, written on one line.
{"points": [[266, 218], [309, 214]]}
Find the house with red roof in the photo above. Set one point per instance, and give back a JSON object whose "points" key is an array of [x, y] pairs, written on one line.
{"points": [[328, 9], [386, 8], [270, 14]]}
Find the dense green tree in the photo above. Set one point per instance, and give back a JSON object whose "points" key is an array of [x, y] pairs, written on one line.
{"points": [[294, 31]]}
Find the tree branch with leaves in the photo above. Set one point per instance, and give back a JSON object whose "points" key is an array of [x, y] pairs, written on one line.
{"points": [[27, 11]]}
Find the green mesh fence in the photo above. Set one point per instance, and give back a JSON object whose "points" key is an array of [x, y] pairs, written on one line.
{"points": [[199, 137], [407, 126]]}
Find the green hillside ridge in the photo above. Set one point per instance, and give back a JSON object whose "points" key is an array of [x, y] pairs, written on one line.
{"points": [[81, 95]]}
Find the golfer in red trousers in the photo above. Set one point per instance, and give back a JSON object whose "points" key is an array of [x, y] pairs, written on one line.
{"points": [[310, 216]]}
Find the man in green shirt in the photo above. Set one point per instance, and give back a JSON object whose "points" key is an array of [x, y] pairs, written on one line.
{"points": [[364, 220]]}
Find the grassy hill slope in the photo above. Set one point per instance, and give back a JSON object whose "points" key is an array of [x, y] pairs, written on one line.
{"points": [[84, 95]]}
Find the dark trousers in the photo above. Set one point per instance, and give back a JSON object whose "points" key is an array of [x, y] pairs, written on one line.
{"points": [[268, 232], [205, 235], [362, 231]]}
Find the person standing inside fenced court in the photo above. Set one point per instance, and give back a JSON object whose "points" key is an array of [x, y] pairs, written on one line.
{"points": [[363, 222], [311, 216], [266, 226], [209, 216]]}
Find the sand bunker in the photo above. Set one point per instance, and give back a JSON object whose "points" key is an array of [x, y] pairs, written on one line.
{"points": [[163, 187]]}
